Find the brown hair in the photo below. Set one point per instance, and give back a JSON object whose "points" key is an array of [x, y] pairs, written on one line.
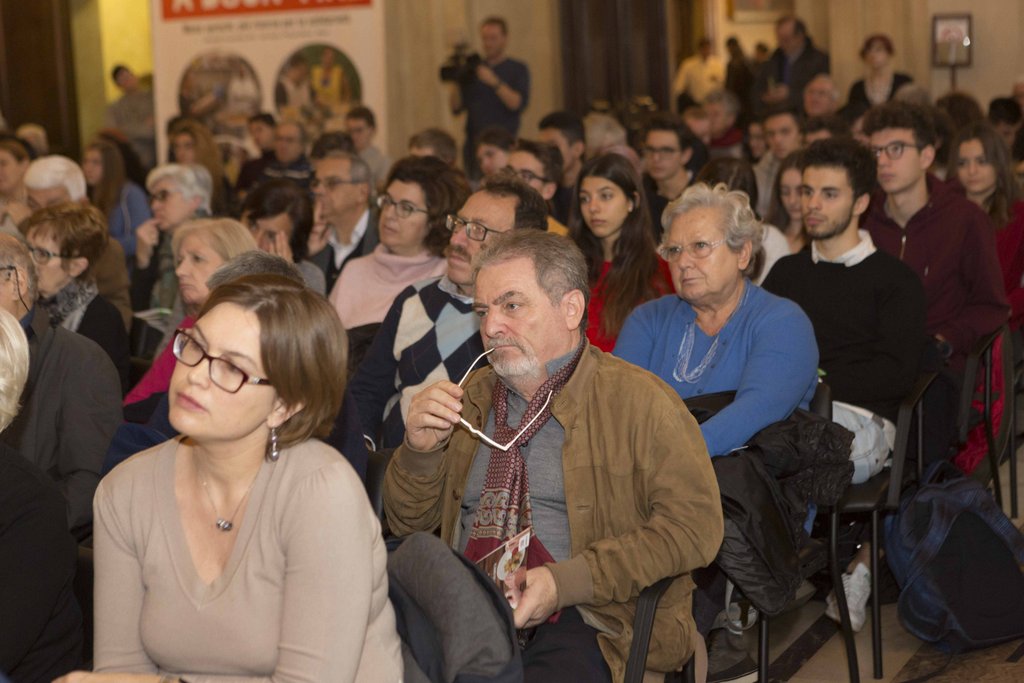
{"points": [[208, 156], [444, 188], [106, 194], [78, 230], [634, 271], [302, 347], [999, 205]]}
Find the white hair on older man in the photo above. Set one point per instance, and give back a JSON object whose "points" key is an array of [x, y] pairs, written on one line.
{"points": [[13, 366], [46, 173]]}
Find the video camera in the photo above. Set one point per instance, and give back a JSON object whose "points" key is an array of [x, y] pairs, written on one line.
{"points": [[460, 67]]}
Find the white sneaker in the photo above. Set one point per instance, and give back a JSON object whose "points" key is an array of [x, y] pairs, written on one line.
{"points": [[857, 587]]}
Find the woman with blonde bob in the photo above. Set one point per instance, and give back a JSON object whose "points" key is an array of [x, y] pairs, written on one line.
{"points": [[245, 550], [199, 247]]}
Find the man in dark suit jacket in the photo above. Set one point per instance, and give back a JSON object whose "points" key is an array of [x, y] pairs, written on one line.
{"points": [[782, 79], [345, 223]]}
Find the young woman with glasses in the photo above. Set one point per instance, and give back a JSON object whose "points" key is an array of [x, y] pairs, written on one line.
{"points": [[244, 549], [420, 193], [611, 225]]}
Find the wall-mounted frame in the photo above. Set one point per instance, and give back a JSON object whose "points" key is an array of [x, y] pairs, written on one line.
{"points": [[758, 11], [951, 40]]}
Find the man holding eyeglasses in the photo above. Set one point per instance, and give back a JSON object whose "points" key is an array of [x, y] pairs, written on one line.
{"points": [[72, 400], [430, 332], [947, 241], [345, 223], [539, 164], [599, 459]]}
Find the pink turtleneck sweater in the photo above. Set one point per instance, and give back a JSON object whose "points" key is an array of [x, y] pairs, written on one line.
{"points": [[369, 284]]}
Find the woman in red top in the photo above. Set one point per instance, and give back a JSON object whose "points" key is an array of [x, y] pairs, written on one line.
{"points": [[983, 166], [611, 224]]}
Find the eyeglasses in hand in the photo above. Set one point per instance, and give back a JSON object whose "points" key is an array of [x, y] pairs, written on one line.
{"points": [[483, 437]]}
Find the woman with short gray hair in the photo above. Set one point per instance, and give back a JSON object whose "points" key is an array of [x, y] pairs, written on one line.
{"points": [[720, 332], [177, 193]]}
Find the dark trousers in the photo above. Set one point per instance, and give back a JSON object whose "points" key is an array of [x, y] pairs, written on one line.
{"points": [[566, 651]]}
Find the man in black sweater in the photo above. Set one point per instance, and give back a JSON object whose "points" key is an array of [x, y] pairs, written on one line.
{"points": [[867, 309]]}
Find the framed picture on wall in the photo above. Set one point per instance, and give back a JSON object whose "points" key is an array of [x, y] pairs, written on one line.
{"points": [[758, 11], [951, 40]]}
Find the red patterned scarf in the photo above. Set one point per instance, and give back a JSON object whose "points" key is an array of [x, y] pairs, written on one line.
{"points": [[505, 508]]}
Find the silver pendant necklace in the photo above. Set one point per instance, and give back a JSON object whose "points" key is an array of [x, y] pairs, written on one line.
{"points": [[223, 524]]}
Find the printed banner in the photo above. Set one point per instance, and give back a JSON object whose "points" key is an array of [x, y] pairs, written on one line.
{"points": [[221, 61]]}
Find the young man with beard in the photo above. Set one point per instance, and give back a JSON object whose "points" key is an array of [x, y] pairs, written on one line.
{"points": [[598, 458], [867, 309], [430, 332]]}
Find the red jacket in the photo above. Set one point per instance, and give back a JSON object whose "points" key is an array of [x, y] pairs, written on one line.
{"points": [[950, 244]]}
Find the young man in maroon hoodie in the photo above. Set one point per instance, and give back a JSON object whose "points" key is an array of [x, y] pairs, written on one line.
{"points": [[944, 238]]}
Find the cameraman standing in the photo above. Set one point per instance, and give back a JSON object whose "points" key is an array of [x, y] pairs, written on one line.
{"points": [[494, 93]]}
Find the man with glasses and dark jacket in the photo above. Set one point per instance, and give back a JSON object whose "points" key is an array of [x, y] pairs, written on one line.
{"points": [[430, 332]]}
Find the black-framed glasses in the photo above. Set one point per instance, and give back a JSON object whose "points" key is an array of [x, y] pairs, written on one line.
{"points": [[161, 196], [475, 230], [527, 175], [223, 373], [700, 249], [403, 208], [659, 151], [893, 150], [43, 256], [333, 182]]}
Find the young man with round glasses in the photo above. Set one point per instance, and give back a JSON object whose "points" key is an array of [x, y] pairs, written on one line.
{"points": [[936, 230], [430, 332], [947, 241]]}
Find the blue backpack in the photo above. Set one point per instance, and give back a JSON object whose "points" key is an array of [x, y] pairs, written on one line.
{"points": [[957, 559]]}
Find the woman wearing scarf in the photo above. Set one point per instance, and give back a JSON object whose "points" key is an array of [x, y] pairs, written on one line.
{"points": [[64, 241]]}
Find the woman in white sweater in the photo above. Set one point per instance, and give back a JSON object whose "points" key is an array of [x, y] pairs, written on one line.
{"points": [[244, 550]]}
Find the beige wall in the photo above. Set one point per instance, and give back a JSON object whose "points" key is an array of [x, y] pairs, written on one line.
{"points": [[86, 39], [420, 35]]}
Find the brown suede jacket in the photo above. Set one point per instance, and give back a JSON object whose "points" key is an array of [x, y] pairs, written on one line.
{"points": [[640, 493]]}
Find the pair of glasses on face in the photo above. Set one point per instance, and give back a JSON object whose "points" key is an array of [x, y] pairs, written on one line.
{"points": [[527, 175], [659, 151], [894, 150], [332, 183], [403, 208], [161, 196], [700, 249], [42, 256], [483, 437], [475, 230], [223, 373]]}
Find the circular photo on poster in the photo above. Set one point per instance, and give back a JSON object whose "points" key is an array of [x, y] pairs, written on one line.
{"points": [[315, 84], [221, 90]]}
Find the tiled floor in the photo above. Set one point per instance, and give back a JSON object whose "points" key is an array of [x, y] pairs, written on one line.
{"points": [[904, 656]]}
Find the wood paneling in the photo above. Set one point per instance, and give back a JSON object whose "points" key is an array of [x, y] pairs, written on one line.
{"points": [[36, 79]]}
